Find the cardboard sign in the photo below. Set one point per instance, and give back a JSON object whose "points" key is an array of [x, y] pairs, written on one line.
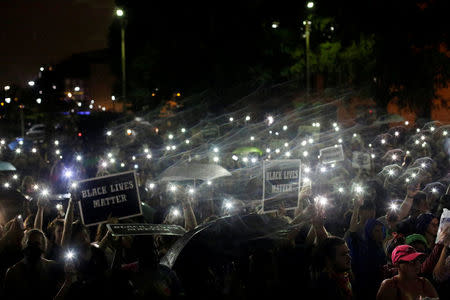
{"points": [[113, 195], [332, 154], [281, 184], [444, 225], [145, 229], [361, 160]]}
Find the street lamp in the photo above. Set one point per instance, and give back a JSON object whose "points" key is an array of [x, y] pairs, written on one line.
{"points": [[120, 13]]}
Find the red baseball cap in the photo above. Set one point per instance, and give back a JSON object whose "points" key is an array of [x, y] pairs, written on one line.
{"points": [[404, 253]]}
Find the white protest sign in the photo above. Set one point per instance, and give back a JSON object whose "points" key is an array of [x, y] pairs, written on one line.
{"points": [[332, 154], [444, 224], [361, 160], [281, 183]]}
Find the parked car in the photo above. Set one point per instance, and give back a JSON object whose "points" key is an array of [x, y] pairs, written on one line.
{"points": [[36, 131]]}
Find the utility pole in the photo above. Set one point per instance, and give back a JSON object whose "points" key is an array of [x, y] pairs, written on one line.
{"points": [[120, 13], [124, 77], [307, 34], [22, 121]]}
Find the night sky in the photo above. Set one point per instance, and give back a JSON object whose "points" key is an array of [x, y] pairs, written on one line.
{"points": [[40, 32]]}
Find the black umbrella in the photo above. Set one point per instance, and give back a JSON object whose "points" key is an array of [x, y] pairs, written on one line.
{"points": [[225, 237]]}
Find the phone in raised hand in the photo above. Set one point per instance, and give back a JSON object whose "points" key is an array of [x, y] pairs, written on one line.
{"points": [[19, 219]]}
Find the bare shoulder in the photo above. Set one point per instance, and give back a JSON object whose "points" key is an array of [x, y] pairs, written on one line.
{"points": [[388, 283], [15, 269]]}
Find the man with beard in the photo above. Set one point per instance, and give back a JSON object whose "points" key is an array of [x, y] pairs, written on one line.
{"points": [[34, 277], [331, 270]]}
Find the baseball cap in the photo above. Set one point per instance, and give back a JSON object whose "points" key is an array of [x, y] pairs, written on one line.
{"points": [[404, 253], [416, 238]]}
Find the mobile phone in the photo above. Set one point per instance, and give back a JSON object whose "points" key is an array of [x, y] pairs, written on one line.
{"points": [[69, 255], [20, 221]]}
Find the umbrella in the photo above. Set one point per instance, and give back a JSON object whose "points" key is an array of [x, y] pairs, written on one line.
{"points": [[225, 237], [6, 166], [388, 119], [26, 144], [246, 150], [193, 171]]}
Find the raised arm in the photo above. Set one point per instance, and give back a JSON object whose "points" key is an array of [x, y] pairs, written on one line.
{"points": [[38, 220], [408, 201], [190, 222], [354, 225], [67, 231], [440, 271]]}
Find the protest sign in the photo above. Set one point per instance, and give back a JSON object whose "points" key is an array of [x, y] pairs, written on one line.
{"points": [[281, 182], [145, 229], [332, 154], [113, 195], [361, 160], [444, 224]]}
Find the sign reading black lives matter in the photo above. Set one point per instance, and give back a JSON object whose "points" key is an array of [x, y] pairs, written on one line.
{"points": [[113, 195], [281, 182]]}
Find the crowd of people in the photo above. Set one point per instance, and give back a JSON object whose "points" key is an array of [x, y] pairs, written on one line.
{"points": [[375, 237]]}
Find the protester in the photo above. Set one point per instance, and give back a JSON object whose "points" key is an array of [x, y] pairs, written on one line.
{"points": [[383, 238], [427, 225], [34, 277], [332, 270], [418, 242], [407, 284]]}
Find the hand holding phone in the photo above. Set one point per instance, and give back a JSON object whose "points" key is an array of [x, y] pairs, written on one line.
{"points": [[19, 220]]}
